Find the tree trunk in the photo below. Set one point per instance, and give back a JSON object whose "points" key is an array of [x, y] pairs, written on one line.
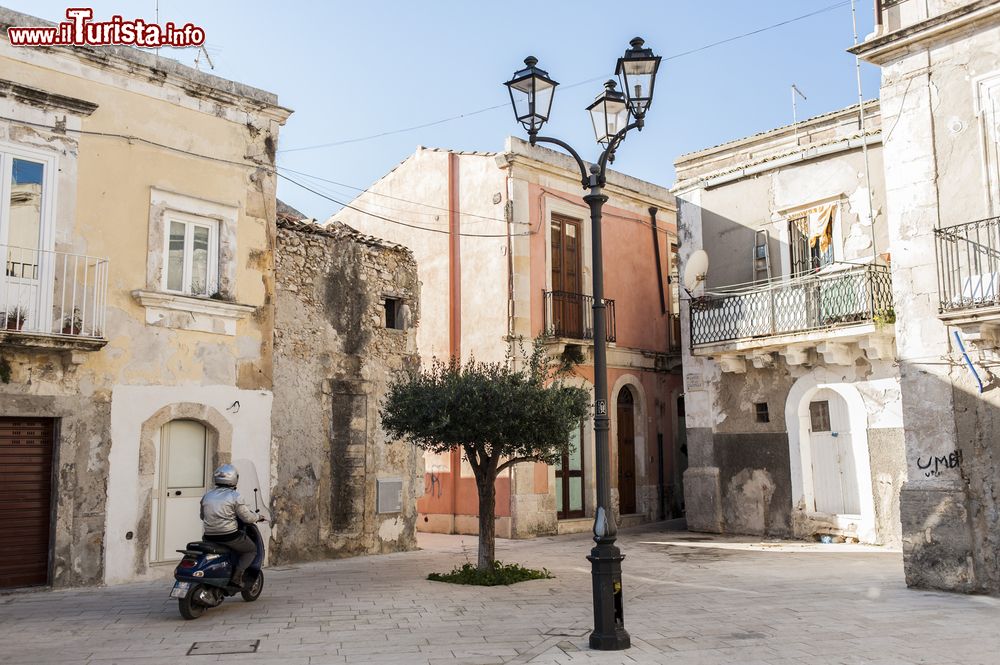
{"points": [[487, 521]]}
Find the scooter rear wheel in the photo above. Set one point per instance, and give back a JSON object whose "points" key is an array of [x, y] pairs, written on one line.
{"points": [[190, 609], [252, 592]]}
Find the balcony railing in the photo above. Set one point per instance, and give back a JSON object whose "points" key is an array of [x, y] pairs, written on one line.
{"points": [[571, 315], [968, 263], [814, 302], [53, 293]]}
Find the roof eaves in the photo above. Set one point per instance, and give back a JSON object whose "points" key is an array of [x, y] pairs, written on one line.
{"points": [[818, 119]]}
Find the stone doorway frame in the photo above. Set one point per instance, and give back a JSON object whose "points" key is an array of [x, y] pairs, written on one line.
{"points": [[805, 520], [220, 442]]}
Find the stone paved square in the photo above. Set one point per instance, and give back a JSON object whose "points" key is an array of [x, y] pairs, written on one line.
{"points": [[690, 598]]}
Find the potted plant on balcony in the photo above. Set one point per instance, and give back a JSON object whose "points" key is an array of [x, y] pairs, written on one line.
{"points": [[14, 318], [73, 324]]}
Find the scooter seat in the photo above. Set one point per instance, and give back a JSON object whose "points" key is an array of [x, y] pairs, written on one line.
{"points": [[208, 548]]}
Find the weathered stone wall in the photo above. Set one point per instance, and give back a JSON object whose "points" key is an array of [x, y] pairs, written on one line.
{"points": [[334, 358], [936, 176], [80, 465], [748, 463]]}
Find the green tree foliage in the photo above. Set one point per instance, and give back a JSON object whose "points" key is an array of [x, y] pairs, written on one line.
{"points": [[499, 414]]}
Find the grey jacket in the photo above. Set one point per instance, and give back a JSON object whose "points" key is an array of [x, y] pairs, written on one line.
{"points": [[219, 509]]}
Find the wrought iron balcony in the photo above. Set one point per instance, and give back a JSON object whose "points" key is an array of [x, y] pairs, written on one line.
{"points": [[52, 293], [861, 294], [571, 315], [968, 263]]}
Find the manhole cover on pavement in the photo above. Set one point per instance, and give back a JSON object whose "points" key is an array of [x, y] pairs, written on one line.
{"points": [[568, 632], [218, 648]]}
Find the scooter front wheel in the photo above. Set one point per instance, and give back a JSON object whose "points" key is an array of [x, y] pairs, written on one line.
{"points": [[189, 608], [252, 592]]}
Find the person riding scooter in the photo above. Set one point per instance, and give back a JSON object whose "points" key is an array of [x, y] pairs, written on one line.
{"points": [[221, 507]]}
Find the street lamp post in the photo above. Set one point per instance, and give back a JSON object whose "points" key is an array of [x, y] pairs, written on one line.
{"points": [[613, 114]]}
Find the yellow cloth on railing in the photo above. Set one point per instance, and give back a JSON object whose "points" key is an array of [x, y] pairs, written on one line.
{"points": [[821, 227]]}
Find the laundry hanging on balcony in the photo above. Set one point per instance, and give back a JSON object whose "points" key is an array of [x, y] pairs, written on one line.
{"points": [[821, 227]]}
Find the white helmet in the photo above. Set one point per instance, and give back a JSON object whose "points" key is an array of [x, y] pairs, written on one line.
{"points": [[226, 475]]}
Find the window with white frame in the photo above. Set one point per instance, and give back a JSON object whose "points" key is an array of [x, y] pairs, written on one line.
{"points": [[191, 261], [989, 110]]}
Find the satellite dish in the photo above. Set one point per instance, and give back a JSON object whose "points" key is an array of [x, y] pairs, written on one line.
{"points": [[695, 269]]}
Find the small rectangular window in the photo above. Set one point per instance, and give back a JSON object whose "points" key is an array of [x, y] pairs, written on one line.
{"points": [[762, 414], [192, 256], [395, 316], [819, 416]]}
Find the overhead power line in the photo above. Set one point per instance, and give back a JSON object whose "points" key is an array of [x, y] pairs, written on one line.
{"points": [[674, 56], [369, 213], [387, 196], [396, 221]]}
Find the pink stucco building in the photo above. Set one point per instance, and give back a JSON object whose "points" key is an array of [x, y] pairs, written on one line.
{"points": [[503, 248]]}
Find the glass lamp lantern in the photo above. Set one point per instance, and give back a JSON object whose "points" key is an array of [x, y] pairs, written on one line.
{"points": [[637, 72], [609, 113], [531, 92]]}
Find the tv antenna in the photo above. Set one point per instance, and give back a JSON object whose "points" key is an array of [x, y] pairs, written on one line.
{"points": [[795, 109], [208, 58]]}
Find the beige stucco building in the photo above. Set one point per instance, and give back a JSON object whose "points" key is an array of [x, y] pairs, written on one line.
{"points": [[940, 96], [137, 224]]}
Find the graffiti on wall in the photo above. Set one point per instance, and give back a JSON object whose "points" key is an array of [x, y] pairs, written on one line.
{"points": [[934, 465]]}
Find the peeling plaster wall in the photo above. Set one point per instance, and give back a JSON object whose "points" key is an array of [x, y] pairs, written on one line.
{"points": [[334, 359], [101, 208], [741, 473], [936, 176]]}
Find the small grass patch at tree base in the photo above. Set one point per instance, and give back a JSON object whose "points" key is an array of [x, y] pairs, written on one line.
{"points": [[500, 574]]}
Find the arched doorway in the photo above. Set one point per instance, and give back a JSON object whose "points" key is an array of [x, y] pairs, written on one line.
{"points": [[829, 459], [834, 472], [626, 451], [182, 476]]}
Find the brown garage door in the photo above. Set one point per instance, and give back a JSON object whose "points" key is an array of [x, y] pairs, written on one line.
{"points": [[25, 490]]}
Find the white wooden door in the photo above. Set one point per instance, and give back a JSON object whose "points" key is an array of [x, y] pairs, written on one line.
{"points": [[835, 481], [183, 481]]}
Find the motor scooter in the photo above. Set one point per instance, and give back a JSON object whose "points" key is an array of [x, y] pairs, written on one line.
{"points": [[204, 576]]}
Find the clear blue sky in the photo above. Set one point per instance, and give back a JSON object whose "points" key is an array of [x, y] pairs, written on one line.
{"points": [[354, 69]]}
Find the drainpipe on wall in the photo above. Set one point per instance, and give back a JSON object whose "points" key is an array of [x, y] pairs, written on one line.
{"points": [[454, 306], [454, 262], [656, 252], [509, 218]]}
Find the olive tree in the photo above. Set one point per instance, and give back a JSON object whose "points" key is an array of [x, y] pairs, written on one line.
{"points": [[499, 414]]}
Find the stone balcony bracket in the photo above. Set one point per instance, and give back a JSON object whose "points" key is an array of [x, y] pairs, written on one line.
{"points": [[980, 330], [878, 347], [762, 359], [795, 355], [733, 364], [838, 353], [838, 346]]}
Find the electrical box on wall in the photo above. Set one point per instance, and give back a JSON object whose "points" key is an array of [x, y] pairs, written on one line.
{"points": [[390, 495]]}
